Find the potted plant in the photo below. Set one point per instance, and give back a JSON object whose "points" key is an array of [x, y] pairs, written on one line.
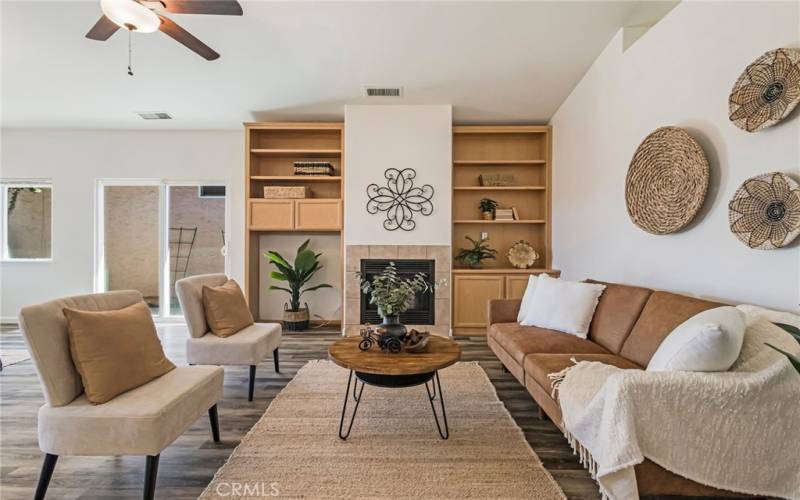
{"points": [[393, 295], [487, 206], [480, 251], [306, 265]]}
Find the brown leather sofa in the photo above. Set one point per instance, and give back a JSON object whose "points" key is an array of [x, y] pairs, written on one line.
{"points": [[628, 326]]}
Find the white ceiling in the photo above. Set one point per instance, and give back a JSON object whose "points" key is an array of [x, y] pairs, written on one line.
{"points": [[494, 62]]}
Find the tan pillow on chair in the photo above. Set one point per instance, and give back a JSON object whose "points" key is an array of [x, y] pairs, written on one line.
{"points": [[115, 351], [226, 309]]}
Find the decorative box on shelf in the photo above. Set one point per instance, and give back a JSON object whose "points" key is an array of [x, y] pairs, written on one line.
{"points": [[496, 180], [313, 168], [285, 192]]}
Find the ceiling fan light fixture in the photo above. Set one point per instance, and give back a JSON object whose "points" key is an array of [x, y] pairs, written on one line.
{"points": [[130, 15]]}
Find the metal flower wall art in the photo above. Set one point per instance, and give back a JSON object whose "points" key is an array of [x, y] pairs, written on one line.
{"points": [[767, 91], [765, 211], [400, 199]]}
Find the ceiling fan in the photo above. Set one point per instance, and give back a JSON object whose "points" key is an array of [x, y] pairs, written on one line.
{"points": [[145, 16]]}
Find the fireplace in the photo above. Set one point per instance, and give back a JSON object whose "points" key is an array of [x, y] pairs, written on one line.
{"points": [[422, 312]]}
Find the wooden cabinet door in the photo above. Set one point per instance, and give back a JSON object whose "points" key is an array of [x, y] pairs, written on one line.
{"points": [[272, 215], [470, 295], [318, 214], [516, 285]]}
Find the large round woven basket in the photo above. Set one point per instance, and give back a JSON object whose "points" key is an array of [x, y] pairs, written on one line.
{"points": [[667, 181], [767, 90], [765, 211]]}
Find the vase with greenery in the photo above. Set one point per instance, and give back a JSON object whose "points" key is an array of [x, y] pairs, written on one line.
{"points": [[297, 276], [487, 206], [474, 257], [393, 294]]}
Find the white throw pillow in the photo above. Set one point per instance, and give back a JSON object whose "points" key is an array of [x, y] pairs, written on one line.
{"points": [[527, 298], [709, 341], [565, 306]]}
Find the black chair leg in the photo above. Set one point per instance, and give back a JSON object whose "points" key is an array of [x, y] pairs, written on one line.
{"points": [[44, 478], [252, 382], [150, 476], [213, 417], [275, 358]]}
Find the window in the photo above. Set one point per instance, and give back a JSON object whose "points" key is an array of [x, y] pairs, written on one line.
{"points": [[27, 221]]}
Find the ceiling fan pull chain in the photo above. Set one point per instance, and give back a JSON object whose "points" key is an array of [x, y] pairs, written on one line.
{"points": [[130, 71]]}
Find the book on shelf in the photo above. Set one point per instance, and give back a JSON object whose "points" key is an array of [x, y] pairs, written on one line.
{"points": [[313, 168], [504, 214], [516, 214]]}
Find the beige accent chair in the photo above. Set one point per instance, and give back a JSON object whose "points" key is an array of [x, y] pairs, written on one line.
{"points": [[246, 347], [142, 421]]}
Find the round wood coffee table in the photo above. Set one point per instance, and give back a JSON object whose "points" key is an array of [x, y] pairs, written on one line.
{"points": [[404, 369]]}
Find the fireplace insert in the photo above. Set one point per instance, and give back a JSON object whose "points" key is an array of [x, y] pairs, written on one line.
{"points": [[422, 312]]}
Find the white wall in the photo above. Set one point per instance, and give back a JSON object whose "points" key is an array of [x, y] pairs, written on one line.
{"points": [[74, 160], [679, 73], [382, 137]]}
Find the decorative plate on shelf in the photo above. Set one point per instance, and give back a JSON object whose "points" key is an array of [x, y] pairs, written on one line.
{"points": [[767, 91], [522, 255], [765, 211]]}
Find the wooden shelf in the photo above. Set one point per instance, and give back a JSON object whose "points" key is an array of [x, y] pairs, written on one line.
{"points": [[500, 188], [501, 270], [481, 221], [297, 178], [296, 152], [479, 163]]}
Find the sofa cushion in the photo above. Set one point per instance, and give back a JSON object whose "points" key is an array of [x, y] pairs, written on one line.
{"points": [[616, 313], [115, 351], [226, 308], [142, 421], [539, 366], [520, 341], [663, 312], [246, 347]]}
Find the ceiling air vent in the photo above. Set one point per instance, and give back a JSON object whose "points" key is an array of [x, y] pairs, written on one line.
{"points": [[155, 115], [384, 91]]}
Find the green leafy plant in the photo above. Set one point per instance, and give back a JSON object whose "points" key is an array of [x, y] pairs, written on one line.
{"points": [[392, 293], [480, 251], [306, 265], [487, 205], [794, 332], [13, 194]]}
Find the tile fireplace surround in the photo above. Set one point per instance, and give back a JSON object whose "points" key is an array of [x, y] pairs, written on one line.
{"points": [[440, 254]]}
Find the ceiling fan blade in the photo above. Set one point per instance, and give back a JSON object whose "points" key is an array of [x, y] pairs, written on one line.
{"points": [[103, 29], [217, 7], [190, 41]]}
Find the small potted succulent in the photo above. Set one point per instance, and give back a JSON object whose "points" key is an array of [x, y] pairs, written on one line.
{"points": [[306, 265], [480, 251], [393, 295], [487, 206]]}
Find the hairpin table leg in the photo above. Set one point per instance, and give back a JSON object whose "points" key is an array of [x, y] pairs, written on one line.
{"points": [[357, 399], [436, 383]]}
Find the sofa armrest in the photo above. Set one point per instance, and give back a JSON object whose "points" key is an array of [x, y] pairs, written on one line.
{"points": [[502, 311]]}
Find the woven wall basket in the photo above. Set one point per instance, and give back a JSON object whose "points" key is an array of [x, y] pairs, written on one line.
{"points": [[765, 211], [667, 181], [767, 91]]}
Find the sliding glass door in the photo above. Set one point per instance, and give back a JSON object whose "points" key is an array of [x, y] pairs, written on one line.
{"points": [[151, 233]]}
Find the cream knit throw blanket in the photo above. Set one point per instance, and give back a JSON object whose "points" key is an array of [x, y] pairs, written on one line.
{"points": [[737, 430]]}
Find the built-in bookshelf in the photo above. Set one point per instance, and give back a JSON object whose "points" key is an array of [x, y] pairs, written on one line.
{"points": [[271, 150], [524, 153]]}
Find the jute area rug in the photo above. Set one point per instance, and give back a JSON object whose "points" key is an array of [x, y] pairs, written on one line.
{"points": [[393, 451]]}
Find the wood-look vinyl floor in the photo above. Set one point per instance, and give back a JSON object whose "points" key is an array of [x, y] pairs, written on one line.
{"points": [[188, 465]]}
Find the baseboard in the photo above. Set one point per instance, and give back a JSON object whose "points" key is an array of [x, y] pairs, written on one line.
{"points": [[9, 321]]}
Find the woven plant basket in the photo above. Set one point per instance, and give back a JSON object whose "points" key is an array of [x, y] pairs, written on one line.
{"points": [[767, 91], [667, 181], [765, 211]]}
